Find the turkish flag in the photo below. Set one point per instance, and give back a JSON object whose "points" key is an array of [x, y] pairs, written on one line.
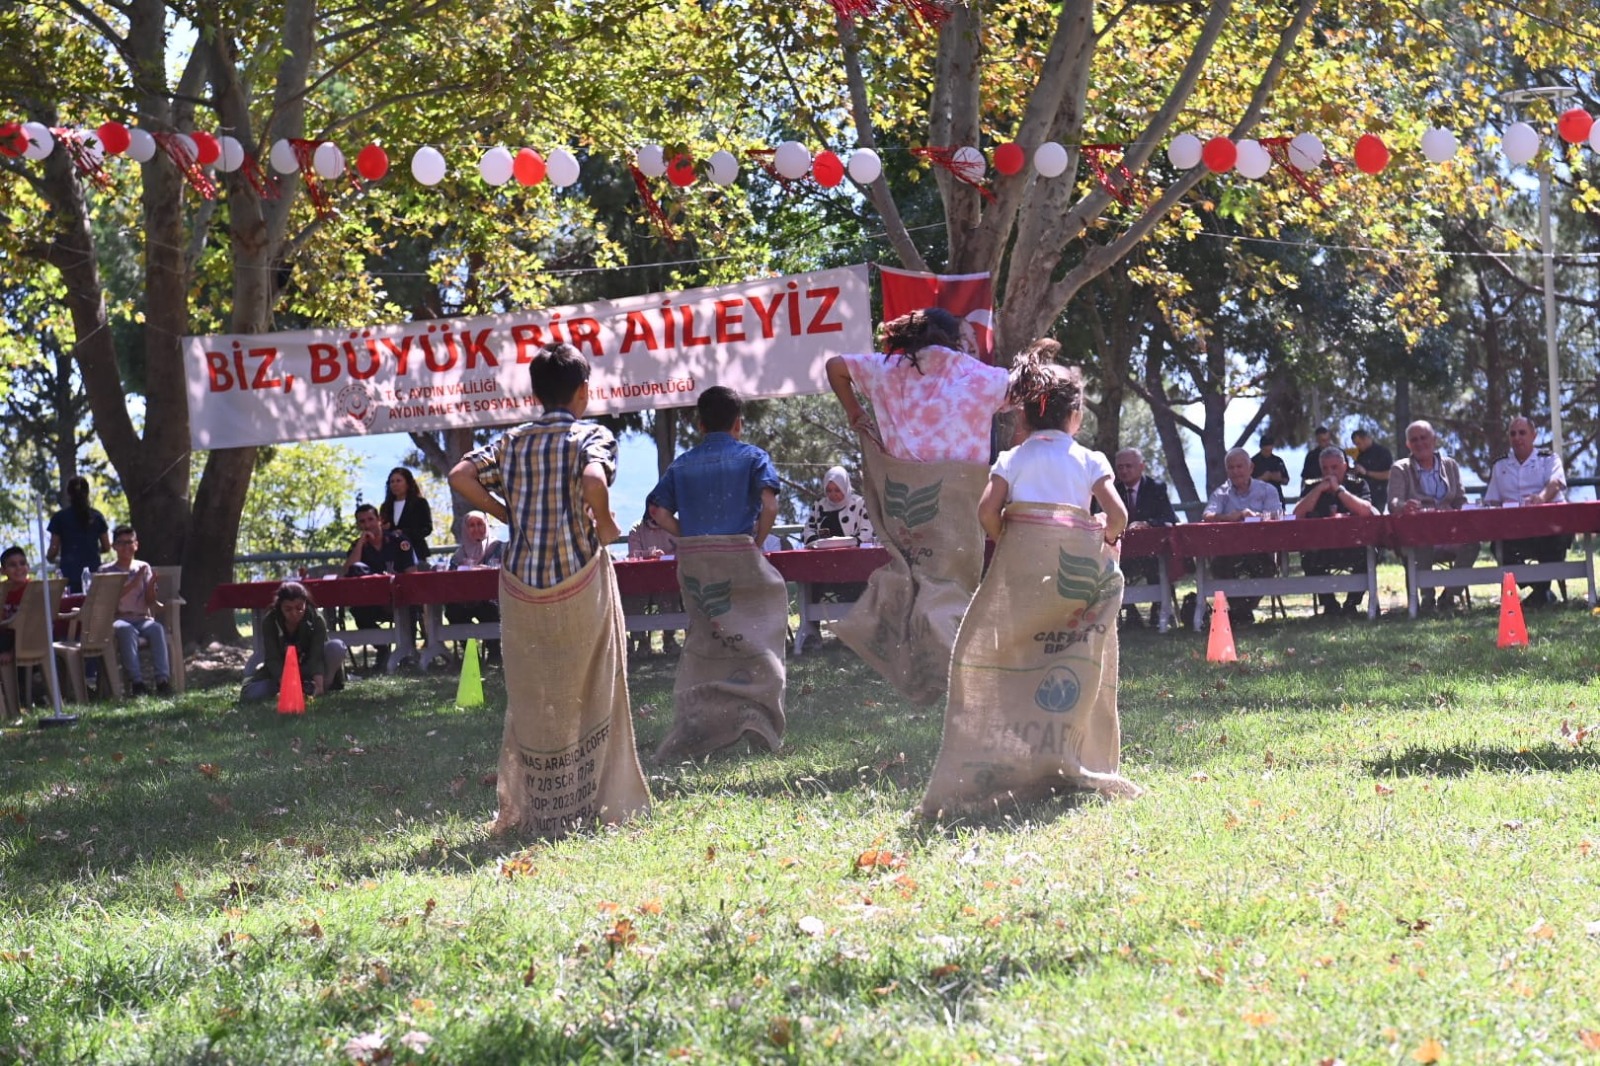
{"points": [[967, 296]]}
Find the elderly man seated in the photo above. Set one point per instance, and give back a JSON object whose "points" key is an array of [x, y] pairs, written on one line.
{"points": [[1529, 477], [1148, 505], [1237, 499], [1428, 481], [1339, 492]]}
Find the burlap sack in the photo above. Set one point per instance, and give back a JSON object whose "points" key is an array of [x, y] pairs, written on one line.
{"points": [[926, 514], [731, 673], [1033, 679], [567, 758]]}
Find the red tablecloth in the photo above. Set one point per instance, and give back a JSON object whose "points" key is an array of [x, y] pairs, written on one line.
{"points": [[373, 591], [1494, 523], [1211, 539]]}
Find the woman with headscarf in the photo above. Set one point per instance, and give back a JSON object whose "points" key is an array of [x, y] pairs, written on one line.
{"points": [[839, 513], [477, 550]]}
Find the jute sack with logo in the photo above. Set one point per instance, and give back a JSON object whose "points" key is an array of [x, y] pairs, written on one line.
{"points": [[926, 515], [730, 673], [567, 758], [1033, 679]]}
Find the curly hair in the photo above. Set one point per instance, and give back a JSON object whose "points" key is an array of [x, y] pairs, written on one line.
{"points": [[909, 334], [1048, 394]]}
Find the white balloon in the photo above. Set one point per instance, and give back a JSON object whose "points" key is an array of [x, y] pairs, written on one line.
{"points": [[1254, 161], [1050, 160], [1306, 151], [141, 146], [652, 161], [1439, 145], [496, 166], [561, 168], [724, 168], [191, 151], [41, 142], [969, 163], [1520, 143], [1594, 137], [792, 160], [232, 157], [1183, 152], [427, 165], [282, 157], [328, 160], [865, 166]]}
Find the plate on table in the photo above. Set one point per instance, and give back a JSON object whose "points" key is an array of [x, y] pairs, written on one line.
{"points": [[833, 542]]}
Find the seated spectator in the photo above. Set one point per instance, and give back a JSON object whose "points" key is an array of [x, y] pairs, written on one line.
{"points": [[1527, 476], [840, 512], [1268, 467], [477, 550], [1311, 469], [294, 623], [1148, 505], [134, 620], [1239, 498], [79, 536], [1373, 464], [1428, 481], [648, 540], [14, 564], [1339, 492], [377, 551]]}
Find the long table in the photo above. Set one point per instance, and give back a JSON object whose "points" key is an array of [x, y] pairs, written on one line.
{"points": [[1207, 541], [433, 590]]}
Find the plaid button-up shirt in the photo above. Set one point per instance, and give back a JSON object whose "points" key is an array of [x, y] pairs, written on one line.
{"points": [[537, 468]]}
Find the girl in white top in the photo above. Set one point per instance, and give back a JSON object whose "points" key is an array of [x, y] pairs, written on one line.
{"points": [[1050, 467]]}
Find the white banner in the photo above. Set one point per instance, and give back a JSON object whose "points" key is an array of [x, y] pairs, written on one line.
{"points": [[761, 338]]}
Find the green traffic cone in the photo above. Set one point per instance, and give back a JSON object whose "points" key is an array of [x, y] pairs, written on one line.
{"points": [[469, 692]]}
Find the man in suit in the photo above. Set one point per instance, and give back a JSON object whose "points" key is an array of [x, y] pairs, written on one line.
{"points": [[1148, 505]]}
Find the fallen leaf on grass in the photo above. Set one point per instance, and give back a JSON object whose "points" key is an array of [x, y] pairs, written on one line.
{"points": [[887, 989], [1257, 1019], [946, 970], [310, 928], [811, 926], [1200, 776], [416, 1041], [650, 906], [1430, 1050], [457, 784], [1208, 975], [621, 934], [1417, 925], [208, 770], [177, 889], [117, 756], [513, 867], [780, 1031], [876, 857], [23, 956], [221, 801], [606, 906], [530, 975], [489, 780], [1542, 930], [1382, 789], [367, 1048], [1589, 1038]]}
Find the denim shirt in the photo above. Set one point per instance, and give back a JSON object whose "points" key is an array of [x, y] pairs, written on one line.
{"points": [[715, 487]]}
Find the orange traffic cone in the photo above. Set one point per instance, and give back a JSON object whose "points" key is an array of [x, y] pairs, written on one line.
{"points": [[291, 694], [1513, 630], [1219, 645]]}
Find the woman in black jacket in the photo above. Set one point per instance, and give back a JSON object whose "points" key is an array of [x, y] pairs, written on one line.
{"points": [[405, 509]]}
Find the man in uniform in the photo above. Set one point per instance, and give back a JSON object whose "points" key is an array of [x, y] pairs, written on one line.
{"points": [[1527, 476]]}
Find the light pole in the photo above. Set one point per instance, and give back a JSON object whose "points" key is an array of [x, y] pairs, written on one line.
{"points": [[1557, 95]]}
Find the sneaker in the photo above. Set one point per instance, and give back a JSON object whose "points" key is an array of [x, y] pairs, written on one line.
{"points": [[138, 689], [163, 688]]}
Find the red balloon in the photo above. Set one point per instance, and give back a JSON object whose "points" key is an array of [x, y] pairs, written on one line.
{"points": [[206, 148], [528, 167], [680, 170], [1220, 154], [1009, 158], [372, 163], [1574, 125], [827, 169], [113, 137], [1371, 154]]}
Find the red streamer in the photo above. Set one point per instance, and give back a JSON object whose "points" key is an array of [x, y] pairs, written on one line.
{"points": [[265, 185], [651, 207], [1278, 149], [850, 9], [944, 156], [86, 161], [763, 158], [186, 164], [933, 13], [1096, 156], [305, 152]]}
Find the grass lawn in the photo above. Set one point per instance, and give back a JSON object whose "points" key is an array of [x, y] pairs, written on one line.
{"points": [[1365, 842]]}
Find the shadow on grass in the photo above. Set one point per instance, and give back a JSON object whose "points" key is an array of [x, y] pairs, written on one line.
{"points": [[1430, 762]]}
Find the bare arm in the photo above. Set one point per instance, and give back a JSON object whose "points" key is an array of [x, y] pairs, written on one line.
{"points": [[1309, 500], [1116, 511], [666, 520], [992, 505], [1355, 504], [597, 495], [839, 380], [769, 515], [464, 480], [53, 552]]}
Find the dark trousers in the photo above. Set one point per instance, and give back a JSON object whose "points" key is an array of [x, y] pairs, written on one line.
{"points": [[1335, 561], [1550, 549]]}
